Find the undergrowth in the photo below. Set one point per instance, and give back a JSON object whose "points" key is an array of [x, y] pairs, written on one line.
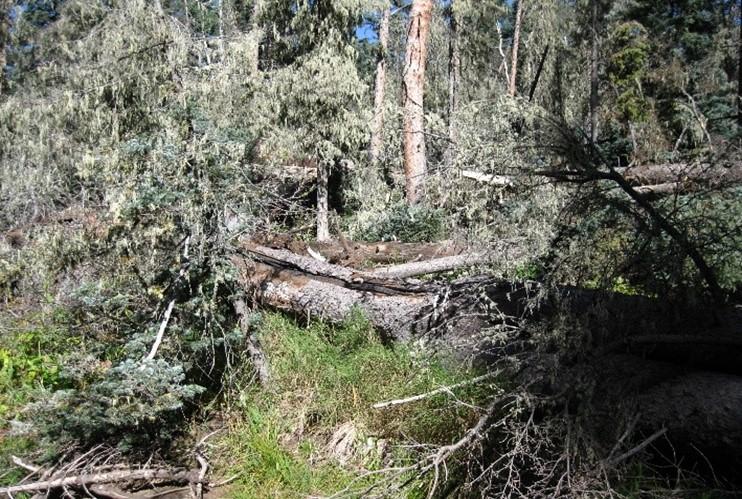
{"points": [[324, 380]]}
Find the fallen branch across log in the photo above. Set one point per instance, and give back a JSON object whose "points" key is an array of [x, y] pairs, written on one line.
{"points": [[505, 251]]}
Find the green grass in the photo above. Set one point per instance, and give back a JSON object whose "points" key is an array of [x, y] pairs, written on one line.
{"points": [[323, 377]]}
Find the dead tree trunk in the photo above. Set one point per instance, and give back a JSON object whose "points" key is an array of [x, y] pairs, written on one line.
{"points": [[454, 75], [323, 208], [516, 44], [377, 126], [414, 91]]}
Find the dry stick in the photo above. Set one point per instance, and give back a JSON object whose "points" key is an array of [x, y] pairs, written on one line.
{"points": [[89, 479], [638, 448], [26, 466], [443, 389], [432, 266], [168, 311]]}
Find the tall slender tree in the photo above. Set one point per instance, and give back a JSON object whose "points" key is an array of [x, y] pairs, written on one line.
{"points": [[594, 74], [516, 44], [5, 6], [454, 75], [413, 92], [739, 69], [377, 126], [257, 31]]}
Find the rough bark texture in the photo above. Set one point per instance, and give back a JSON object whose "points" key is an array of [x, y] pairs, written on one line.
{"points": [[377, 126], [414, 90], [359, 254], [516, 43], [323, 210]]}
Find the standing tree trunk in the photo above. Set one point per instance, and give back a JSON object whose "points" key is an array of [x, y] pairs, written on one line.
{"points": [[414, 114], [377, 126], [739, 71], [257, 33], [5, 6], [516, 43], [323, 223], [594, 76], [454, 75]]}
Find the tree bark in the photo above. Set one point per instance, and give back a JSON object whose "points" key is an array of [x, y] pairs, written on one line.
{"points": [[454, 75], [377, 126], [540, 68], [257, 33], [323, 211], [516, 44], [414, 90], [594, 76], [5, 6], [705, 174], [739, 70]]}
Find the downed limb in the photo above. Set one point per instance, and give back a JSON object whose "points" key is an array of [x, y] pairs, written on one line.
{"points": [[170, 306], [156, 474], [505, 251], [358, 254], [487, 178], [433, 393]]}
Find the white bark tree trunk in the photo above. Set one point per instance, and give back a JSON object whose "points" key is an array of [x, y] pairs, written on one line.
{"points": [[414, 90], [323, 221]]}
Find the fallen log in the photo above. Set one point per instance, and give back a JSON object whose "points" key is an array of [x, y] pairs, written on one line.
{"points": [[505, 251], [484, 320], [359, 254], [86, 479], [699, 173]]}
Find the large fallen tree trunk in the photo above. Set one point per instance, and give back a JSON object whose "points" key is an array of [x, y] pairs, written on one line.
{"points": [[637, 350]]}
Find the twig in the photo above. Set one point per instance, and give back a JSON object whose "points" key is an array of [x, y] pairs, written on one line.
{"points": [[637, 449], [26, 466], [443, 389]]}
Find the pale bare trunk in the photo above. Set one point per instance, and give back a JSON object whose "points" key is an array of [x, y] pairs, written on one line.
{"points": [[454, 74], [323, 223], [516, 44], [414, 83], [377, 126], [594, 76]]}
